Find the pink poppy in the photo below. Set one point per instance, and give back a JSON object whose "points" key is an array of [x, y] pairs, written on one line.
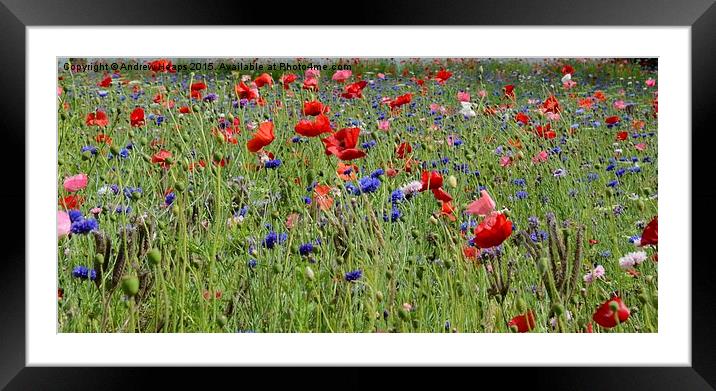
{"points": [[553, 116], [63, 223], [569, 84], [482, 93], [540, 157], [75, 183], [619, 105], [650, 82], [342, 75], [463, 96], [482, 206], [312, 73], [505, 161], [381, 76], [59, 90], [640, 146], [384, 125]]}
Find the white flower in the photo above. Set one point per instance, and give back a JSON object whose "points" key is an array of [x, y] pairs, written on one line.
{"points": [[412, 187], [632, 259], [566, 78], [467, 110]]}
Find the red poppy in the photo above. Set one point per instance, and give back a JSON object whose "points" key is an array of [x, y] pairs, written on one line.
{"points": [[287, 79], [263, 80], [447, 210], [586, 103], [263, 137], [199, 164], [103, 138], [545, 131], [470, 252], [441, 195], [612, 120], [551, 105], [600, 96], [621, 136], [313, 128], [651, 233], [323, 199], [310, 84], [97, 118], [523, 323], [106, 82], [592, 242], [402, 149], [431, 180], [158, 98], [60, 294], [401, 100], [347, 172], [71, 202], [161, 158], [611, 313], [509, 91], [442, 76], [185, 110], [567, 69], [493, 230], [245, 92], [354, 90], [162, 66], [343, 143], [197, 86], [314, 108], [522, 117], [137, 117]]}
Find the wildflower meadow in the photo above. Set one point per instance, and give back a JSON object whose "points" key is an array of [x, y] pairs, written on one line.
{"points": [[357, 195]]}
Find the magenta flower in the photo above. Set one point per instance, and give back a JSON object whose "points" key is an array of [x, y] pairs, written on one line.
{"points": [[75, 183], [64, 225]]}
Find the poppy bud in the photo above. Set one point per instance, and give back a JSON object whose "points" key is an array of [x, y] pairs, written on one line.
{"points": [[179, 186], [98, 259], [195, 108], [60, 161], [452, 181], [460, 290], [230, 117], [643, 299], [275, 214], [379, 296], [147, 158], [143, 140], [115, 149], [136, 195], [521, 305], [130, 285], [640, 204], [448, 263], [403, 314], [433, 220], [154, 257], [415, 232], [543, 265], [221, 320], [415, 323], [86, 155], [558, 309], [218, 156], [613, 305], [309, 274]]}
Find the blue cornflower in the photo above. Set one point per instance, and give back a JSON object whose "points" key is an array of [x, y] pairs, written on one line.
{"points": [[211, 97], [377, 173], [368, 184], [613, 183], [169, 198], [353, 276], [611, 167], [520, 182], [591, 177], [307, 200], [243, 211], [397, 196], [605, 254], [84, 226], [395, 215], [521, 195], [75, 215], [102, 93], [83, 273], [620, 172], [272, 163], [270, 240], [124, 153], [306, 248], [369, 144], [533, 221], [457, 142], [129, 191], [91, 149], [297, 139], [252, 263], [634, 238]]}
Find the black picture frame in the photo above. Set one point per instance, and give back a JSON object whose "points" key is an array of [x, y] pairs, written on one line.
{"points": [[16, 15]]}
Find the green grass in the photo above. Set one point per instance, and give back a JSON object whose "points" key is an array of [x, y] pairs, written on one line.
{"points": [[416, 261]]}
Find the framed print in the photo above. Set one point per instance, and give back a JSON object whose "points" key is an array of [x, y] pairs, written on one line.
{"points": [[388, 195]]}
